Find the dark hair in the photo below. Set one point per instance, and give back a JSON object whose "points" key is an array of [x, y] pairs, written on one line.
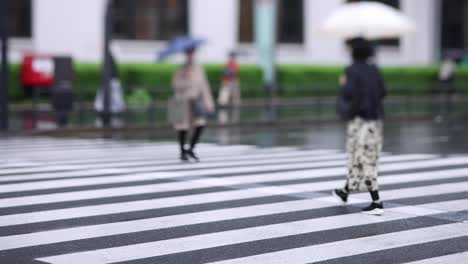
{"points": [[361, 49]]}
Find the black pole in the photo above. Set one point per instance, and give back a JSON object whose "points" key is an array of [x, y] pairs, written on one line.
{"points": [[4, 72], [106, 78]]}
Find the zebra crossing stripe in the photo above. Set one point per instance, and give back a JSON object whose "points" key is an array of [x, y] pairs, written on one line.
{"points": [[323, 174], [219, 156], [188, 173], [47, 181], [68, 174], [7, 164], [453, 258], [343, 248], [382, 168], [161, 167], [156, 152], [260, 153], [133, 160], [96, 210], [201, 183], [62, 183], [56, 236], [224, 151], [323, 252], [209, 161]]}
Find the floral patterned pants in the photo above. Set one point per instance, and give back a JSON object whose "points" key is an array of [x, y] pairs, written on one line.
{"points": [[364, 143]]}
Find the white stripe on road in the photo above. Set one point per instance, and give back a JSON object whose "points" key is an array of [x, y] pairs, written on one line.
{"points": [[134, 206], [361, 245], [64, 183], [341, 249], [324, 173], [51, 168], [270, 152], [96, 210], [160, 166], [242, 156], [207, 182], [453, 258], [382, 167], [149, 156], [153, 151], [76, 233]]}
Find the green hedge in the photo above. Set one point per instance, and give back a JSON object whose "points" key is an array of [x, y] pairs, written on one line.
{"points": [[157, 78], [293, 80], [15, 91], [298, 80]]}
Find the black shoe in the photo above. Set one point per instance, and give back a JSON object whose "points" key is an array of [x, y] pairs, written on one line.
{"points": [[192, 155], [374, 209], [340, 195], [184, 156]]}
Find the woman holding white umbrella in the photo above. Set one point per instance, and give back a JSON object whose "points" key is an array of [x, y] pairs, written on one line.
{"points": [[361, 101], [362, 92]]}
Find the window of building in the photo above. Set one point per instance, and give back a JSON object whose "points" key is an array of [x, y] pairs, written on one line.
{"points": [[19, 18], [454, 28], [391, 42], [290, 21], [150, 19], [246, 21]]}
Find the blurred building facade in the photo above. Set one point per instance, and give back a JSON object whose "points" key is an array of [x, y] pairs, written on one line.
{"points": [[142, 27]]}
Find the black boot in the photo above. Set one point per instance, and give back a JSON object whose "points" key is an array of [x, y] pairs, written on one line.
{"points": [[340, 195], [376, 207], [192, 155], [182, 134], [193, 143]]}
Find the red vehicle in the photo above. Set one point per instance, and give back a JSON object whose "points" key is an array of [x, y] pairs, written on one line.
{"points": [[37, 70]]}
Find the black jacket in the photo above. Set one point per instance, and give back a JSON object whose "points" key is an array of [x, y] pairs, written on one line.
{"points": [[366, 88]]}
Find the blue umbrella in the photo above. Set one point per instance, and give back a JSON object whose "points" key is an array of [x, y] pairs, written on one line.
{"points": [[180, 44]]}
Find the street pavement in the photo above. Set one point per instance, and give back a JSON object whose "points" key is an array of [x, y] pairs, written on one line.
{"points": [[132, 201]]}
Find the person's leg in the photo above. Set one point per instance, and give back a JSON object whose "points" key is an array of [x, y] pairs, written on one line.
{"points": [[236, 96], [342, 194], [375, 196], [346, 187], [376, 207], [195, 138], [351, 139], [373, 146], [182, 135]]}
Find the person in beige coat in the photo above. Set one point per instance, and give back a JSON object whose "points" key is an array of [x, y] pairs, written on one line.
{"points": [[190, 84]]}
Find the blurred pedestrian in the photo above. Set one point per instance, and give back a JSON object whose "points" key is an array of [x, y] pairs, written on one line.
{"points": [[191, 103], [361, 104], [446, 87], [117, 103], [229, 90], [62, 102]]}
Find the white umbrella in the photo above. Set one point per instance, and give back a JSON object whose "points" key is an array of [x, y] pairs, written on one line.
{"points": [[369, 20]]}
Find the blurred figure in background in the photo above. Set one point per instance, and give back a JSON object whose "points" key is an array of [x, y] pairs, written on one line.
{"points": [[446, 87], [117, 103], [230, 85], [362, 92], [192, 101], [229, 91]]}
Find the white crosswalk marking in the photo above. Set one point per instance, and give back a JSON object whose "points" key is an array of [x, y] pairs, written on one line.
{"points": [[454, 258], [349, 247], [105, 201]]}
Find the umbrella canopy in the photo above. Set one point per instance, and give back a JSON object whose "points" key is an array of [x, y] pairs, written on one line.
{"points": [[180, 44], [369, 20]]}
